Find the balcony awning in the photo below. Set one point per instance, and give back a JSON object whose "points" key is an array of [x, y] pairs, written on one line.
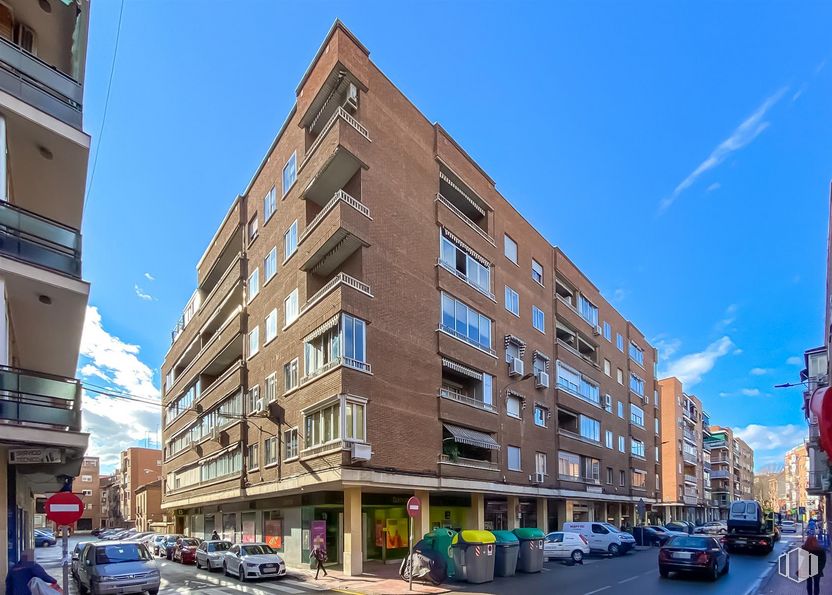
{"points": [[462, 193], [332, 322], [472, 437], [459, 368], [509, 339], [465, 248]]}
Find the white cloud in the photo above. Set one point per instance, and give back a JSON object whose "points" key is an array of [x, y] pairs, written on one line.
{"points": [[738, 351], [728, 318], [692, 367], [666, 346], [795, 360], [89, 371], [759, 371], [750, 392], [714, 186], [799, 92], [820, 66], [767, 438], [742, 135], [143, 295], [619, 294], [149, 277]]}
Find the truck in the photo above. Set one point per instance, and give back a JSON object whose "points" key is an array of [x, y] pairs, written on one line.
{"points": [[749, 528]]}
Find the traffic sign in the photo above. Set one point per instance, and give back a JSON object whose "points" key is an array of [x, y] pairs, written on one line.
{"points": [[414, 505], [64, 508]]}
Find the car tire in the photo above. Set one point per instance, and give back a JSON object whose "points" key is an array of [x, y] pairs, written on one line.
{"points": [[614, 549], [577, 557], [153, 592], [713, 573], [225, 569], [727, 567], [241, 574], [664, 572]]}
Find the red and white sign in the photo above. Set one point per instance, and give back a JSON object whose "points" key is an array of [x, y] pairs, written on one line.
{"points": [[414, 506], [64, 508]]}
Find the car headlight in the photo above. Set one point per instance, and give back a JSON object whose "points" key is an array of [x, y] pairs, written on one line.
{"points": [[107, 579], [251, 564]]}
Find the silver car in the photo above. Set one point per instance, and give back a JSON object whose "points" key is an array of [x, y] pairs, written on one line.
{"points": [[76, 557], [210, 554], [117, 567]]}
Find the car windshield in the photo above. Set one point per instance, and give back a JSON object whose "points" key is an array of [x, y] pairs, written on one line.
{"points": [[610, 527], [189, 542], [659, 529], [172, 538], [219, 546], [690, 542], [116, 554], [254, 550]]}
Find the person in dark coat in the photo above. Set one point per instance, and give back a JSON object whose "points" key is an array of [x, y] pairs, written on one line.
{"points": [[812, 546], [319, 554], [17, 581], [215, 536]]}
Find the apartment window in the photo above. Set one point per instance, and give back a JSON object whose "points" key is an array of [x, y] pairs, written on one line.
{"points": [[540, 415], [512, 301], [636, 354], [86, 478], [269, 205], [657, 455], [588, 310], [636, 415], [540, 466], [290, 173], [607, 367], [513, 406], [290, 375], [465, 323], [271, 325], [290, 443], [607, 331], [253, 229], [609, 475], [322, 426], [656, 423], [270, 387], [343, 342], [592, 470], [538, 319], [514, 458], [290, 241], [270, 264], [253, 284], [637, 385], [590, 428], [570, 380], [620, 409], [465, 263], [622, 444], [270, 452], [510, 248], [537, 271], [254, 341], [622, 478], [608, 403], [253, 456], [619, 342], [637, 447], [569, 465], [354, 426], [252, 399], [619, 375], [290, 307], [608, 439], [639, 479]]}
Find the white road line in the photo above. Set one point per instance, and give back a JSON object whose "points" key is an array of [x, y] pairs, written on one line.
{"points": [[274, 587], [597, 590], [627, 580]]}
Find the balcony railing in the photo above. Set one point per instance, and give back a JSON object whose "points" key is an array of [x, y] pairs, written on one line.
{"points": [[465, 339], [40, 241], [690, 436], [465, 219], [33, 398], [453, 395], [331, 285], [689, 457], [39, 84], [338, 361], [690, 478], [339, 113], [333, 202], [473, 463]]}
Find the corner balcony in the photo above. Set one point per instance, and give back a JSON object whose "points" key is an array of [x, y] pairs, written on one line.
{"points": [[338, 282], [336, 233], [37, 240]]}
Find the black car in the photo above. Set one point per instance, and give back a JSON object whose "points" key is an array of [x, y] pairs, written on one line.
{"points": [[694, 553], [683, 526], [169, 544], [648, 536]]}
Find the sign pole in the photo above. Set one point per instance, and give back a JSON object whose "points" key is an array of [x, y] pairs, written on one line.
{"points": [[410, 582], [414, 507], [65, 556]]}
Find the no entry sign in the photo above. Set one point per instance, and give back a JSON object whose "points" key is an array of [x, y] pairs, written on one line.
{"points": [[414, 505], [64, 508]]}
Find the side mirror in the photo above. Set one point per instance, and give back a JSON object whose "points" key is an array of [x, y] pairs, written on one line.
{"points": [[74, 556]]}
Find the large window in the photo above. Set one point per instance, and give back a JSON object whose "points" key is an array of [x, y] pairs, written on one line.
{"points": [[569, 465], [636, 354], [577, 384], [636, 415], [510, 249], [182, 403], [538, 319], [253, 284], [637, 385], [270, 264], [540, 466], [269, 205], [271, 325], [290, 443], [592, 470], [473, 269], [354, 421], [514, 463], [512, 301], [290, 308], [208, 470], [639, 479], [346, 418], [270, 387], [343, 342], [290, 241], [270, 451], [253, 457], [588, 310], [465, 323], [590, 428], [637, 447], [290, 173]]}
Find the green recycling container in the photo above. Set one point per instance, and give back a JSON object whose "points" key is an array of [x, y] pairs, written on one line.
{"points": [[440, 540], [507, 547], [530, 558], [474, 556]]}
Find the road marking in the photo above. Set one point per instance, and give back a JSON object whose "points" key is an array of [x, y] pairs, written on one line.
{"points": [[597, 590], [278, 588], [627, 580]]}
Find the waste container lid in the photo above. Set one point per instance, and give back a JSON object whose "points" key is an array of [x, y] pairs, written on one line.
{"points": [[440, 532], [529, 533], [506, 537], [474, 537]]}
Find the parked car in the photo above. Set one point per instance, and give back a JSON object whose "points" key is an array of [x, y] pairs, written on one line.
{"points": [[667, 533], [602, 537], [565, 546], [694, 553], [712, 528], [210, 554], [113, 568], [169, 544], [648, 536], [96, 532], [252, 560], [788, 527], [156, 545], [680, 526], [44, 539], [185, 550], [76, 557]]}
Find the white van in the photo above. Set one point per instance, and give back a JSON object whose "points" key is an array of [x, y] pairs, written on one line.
{"points": [[603, 537]]}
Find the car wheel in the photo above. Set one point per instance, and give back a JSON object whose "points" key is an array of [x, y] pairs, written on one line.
{"points": [[196, 561], [577, 556], [727, 567], [664, 572], [241, 573], [225, 569], [713, 574], [153, 592], [614, 550]]}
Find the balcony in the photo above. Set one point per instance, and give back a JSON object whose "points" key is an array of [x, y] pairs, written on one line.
{"points": [[334, 234], [449, 214], [460, 397], [39, 400], [689, 457], [690, 436], [339, 280], [37, 240], [819, 483], [470, 463], [690, 478], [690, 500]]}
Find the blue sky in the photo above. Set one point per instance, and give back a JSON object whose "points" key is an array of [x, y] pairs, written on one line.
{"points": [[678, 152]]}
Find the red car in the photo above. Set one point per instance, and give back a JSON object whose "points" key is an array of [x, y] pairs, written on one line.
{"points": [[185, 550]]}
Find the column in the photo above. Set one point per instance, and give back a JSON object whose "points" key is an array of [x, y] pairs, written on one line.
{"points": [[476, 519], [421, 524], [560, 506], [543, 514], [4, 507], [353, 556], [616, 514], [590, 511], [604, 512], [512, 505], [570, 514]]}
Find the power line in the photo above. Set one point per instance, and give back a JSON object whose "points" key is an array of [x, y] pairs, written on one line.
{"points": [[106, 105]]}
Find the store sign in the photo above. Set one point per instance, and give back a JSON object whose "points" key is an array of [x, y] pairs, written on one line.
{"points": [[33, 456]]}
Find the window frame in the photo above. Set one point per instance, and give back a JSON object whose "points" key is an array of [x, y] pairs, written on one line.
{"points": [[293, 159], [293, 299], [253, 285], [538, 313], [270, 257], [254, 334], [510, 449], [512, 301], [510, 398], [508, 241], [269, 205], [544, 413], [290, 233], [540, 273], [291, 454], [292, 375], [273, 317]]}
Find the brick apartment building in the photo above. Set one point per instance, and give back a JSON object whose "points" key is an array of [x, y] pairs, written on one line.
{"points": [[149, 515], [325, 370], [796, 466], [110, 488], [139, 466], [732, 468], [88, 484]]}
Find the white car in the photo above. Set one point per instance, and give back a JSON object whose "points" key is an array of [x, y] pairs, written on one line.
{"points": [[210, 554], [252, 560], [788, 527], [560, 545]]}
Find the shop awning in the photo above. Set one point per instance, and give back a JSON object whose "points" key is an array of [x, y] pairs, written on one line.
{"points": [[460, 369], [472, 437]]}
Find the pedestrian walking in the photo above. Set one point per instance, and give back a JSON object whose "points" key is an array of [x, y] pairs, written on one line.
{"points": [[812, 546], [215, 536], [24, 572], [319, 553]]}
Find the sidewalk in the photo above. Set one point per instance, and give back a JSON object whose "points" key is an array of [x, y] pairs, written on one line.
{"points": [[776, 584], [378, 579]]}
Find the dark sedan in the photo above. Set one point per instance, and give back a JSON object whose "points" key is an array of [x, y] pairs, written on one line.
{"points": [[185, 550], [44, 538], [702, 554], [682, 526]]}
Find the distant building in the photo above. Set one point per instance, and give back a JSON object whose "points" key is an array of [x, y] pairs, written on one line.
{"points": [[732, 468], [149, 506], [88, 486], [796, 472], [139, 466], [110, 490]]}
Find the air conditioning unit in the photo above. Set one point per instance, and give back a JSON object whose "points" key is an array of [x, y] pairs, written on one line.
{"points": [[597, 331], [515, 367], [258, 407], [360, 451], [539, 477], [541, 380], [351, 102]]}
